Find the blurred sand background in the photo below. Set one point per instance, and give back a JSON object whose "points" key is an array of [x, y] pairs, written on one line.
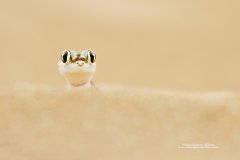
{"points": [[191, 45], [178, 61]]}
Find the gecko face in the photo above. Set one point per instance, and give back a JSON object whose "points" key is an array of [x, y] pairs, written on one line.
{"points": [[77, 67], [80, 58]]}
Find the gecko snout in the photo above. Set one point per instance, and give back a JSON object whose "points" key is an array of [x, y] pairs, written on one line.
{"points": [[80, 63]]}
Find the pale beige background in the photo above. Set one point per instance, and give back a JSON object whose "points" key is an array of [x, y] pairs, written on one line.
{"points": [[192, 45]]}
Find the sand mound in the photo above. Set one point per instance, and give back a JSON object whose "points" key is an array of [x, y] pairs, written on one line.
{"points": [[117, 123]]}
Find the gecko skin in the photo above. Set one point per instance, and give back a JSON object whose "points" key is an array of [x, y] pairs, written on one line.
{"points": [[78, 68]]}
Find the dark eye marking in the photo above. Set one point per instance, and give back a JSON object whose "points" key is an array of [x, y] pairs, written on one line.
{"points": [[65, 56], [92, 57]]}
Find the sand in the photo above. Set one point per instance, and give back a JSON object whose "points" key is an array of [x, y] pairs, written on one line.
{"points": [[109, 122]]}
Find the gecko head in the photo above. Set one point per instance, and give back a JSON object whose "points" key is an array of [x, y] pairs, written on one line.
{"points": [[78, 68]]}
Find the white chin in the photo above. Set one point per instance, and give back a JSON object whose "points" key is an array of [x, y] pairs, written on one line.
{"points": [[77, 75]]}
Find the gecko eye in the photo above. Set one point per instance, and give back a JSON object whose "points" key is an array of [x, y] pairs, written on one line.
{"points": [[65, 56], [92, 57]]}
